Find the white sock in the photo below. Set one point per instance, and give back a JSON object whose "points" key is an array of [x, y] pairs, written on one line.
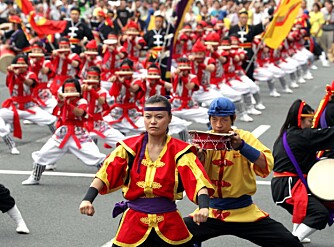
{"points": [[15, 214]]}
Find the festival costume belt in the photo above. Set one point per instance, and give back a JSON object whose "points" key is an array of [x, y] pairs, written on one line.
{"points": [[246, 45], [21, 101], [299, 197], [71, 125], [159, 51], [125, 107], [184, 102], [35, 94], [231, 203], [156, 205], [26, 49], [74, 41], [216, 81], [230, 75], [286, 174], [90, 124]]}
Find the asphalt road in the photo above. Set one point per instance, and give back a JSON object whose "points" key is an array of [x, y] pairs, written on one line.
{"points": [[51, 209]]}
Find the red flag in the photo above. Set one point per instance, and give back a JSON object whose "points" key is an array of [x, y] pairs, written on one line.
{"points": [[40, 24], [43, 26], [25, 6]]}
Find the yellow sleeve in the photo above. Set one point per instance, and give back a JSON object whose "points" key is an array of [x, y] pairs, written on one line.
{"points": [[251, 140]]}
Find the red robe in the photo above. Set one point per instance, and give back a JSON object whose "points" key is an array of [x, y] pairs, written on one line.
{"points": [[160, 178]]}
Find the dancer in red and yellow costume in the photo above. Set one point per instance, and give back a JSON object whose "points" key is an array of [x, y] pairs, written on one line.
{"points": [[150, 168], [233, 173]]}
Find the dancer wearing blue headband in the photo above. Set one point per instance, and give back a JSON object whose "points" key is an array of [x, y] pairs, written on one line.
{"points": [[233, 174]]}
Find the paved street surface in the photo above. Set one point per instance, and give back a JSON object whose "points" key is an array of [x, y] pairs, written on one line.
{"points": [[51, 209]]}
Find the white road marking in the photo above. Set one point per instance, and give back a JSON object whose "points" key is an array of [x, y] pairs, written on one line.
{"points": [[260, 130], [108, 244], [60, 174]]}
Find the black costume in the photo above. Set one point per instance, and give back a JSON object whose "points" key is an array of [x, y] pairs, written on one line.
{"points": [[104, 29], [304, 143], [75, 32], [6, 200], [246, 36], [18, 40], [259, 232], [155, 39]]}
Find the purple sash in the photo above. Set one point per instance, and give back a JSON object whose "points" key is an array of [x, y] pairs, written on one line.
{"points": [[293, 160], [323, 122], [156, 205]]}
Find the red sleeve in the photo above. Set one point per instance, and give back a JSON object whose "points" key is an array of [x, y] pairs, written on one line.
{"points": [[9, 78], [193, 176], [194, 79], [114, 170], [140, 93]]}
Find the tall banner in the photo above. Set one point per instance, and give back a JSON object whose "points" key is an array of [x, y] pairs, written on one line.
{"points": [[182, 8], [284, 17]]}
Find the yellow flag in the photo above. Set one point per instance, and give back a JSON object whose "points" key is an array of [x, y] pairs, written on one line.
{"points": [[284, 17]]}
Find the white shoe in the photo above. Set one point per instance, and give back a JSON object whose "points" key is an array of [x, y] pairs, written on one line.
{"points": [[287, 90], [22, 228], [314, 67], [27, 122], [305, 241], [253, 111], [301, 80], [51, 167], [260, 106], [245, 118], [14, 151], [308, 76], [30, 181], [274, 94], [294, 84], [325, 63]]}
